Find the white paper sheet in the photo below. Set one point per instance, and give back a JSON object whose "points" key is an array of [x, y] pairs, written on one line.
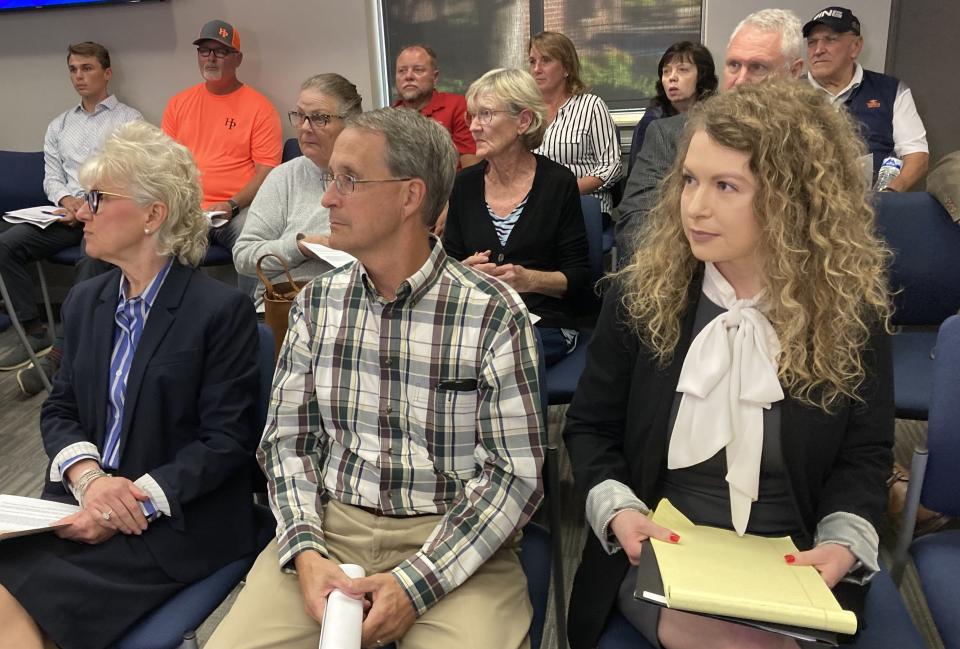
{"points": [[41, 216], [335, 258], [214, 221], [343, 616], [19, 514]]}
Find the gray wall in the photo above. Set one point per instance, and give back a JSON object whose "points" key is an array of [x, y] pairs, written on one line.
{"points": [[151, 46], [922, 57]]}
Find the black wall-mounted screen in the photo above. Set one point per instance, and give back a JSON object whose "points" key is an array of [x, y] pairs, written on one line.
{"points": [[20, 5]]}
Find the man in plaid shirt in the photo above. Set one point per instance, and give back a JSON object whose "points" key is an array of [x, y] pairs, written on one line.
{"points": [[404, 431]]}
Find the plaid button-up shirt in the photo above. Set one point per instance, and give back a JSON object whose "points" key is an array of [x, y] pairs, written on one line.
{"points": [[426, 404]]}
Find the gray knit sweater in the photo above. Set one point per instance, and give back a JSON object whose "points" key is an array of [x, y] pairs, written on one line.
{"points": [[287, 203]]}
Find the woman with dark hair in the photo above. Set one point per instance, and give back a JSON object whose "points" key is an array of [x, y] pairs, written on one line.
{"points": [[685, 75], [741, 365]]}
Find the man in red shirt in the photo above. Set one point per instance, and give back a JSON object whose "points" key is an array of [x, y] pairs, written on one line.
{"points": [[417, 74]]}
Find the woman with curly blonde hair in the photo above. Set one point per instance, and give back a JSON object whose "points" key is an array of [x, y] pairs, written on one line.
{"points": [[741, 365]]}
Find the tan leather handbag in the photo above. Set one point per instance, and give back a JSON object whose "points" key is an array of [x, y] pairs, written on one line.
{"points": [[277, 300]]}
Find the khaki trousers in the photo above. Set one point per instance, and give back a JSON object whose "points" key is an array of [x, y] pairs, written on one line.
{"points": [[491, 610]]}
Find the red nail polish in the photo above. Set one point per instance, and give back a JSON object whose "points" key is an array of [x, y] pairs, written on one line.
{"points": [[674, 538], [789, 558]]}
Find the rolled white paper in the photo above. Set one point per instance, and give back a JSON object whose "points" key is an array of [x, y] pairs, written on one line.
{"points": [[343, 616]]}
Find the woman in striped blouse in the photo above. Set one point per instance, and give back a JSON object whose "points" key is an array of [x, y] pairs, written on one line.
{"points": [[580, 133]]}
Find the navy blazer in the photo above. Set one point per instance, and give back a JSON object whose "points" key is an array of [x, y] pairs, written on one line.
{"points": [[189, 418], [617, 428]]}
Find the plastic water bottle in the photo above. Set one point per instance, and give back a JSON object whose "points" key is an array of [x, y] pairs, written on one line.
{"points": [[889, 169]]}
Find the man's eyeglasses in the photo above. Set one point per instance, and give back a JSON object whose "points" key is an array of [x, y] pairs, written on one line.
{"points": [[94, 196], [317, 120], [346, 184], [220, 52], [484, 116]]}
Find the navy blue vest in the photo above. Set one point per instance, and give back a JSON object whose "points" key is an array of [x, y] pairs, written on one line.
{"points": [[871, 104]]}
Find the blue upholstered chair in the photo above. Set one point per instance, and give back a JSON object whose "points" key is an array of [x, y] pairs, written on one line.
{"points": [[217, 255], [888, 624], [172, 626], [935, 483], [926, 272], [562, 378], [21, 185], [291, 150]]}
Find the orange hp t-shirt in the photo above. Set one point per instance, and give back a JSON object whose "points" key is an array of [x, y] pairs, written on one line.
{"points": [[227, 135]]}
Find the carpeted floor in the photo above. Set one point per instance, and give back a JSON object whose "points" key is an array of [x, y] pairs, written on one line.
{"points": [[22, 463]]}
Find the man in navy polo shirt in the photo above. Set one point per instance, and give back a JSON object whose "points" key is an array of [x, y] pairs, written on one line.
{"points": [[882, 104]]}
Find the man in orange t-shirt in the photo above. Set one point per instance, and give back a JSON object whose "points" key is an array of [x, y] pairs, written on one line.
{"points": [[232, 130]]}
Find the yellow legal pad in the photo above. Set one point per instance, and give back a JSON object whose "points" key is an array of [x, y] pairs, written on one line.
{"points": [[714, 571]]}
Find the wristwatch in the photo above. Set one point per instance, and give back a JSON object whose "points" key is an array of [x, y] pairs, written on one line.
{"points": [[234, 207]]}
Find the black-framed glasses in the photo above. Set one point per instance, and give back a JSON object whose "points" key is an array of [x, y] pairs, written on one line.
{"points": [[94, 196], [346, 183], [317, 120], [484, 116], [219, 52]]}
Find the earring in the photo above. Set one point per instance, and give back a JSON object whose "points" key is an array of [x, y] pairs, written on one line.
{"points": [[147, 231]]}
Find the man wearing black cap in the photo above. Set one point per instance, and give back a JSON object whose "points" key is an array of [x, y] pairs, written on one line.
{"points": [[232, 130], [882, 104]]}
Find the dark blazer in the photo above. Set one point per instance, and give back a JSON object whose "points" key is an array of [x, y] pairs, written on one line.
{"points": [[549, 236], [189, 418], [650, 167], [617, 428]]}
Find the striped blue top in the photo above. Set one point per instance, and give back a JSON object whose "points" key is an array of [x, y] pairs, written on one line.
{"points": [[130, 318], [504, 224]]}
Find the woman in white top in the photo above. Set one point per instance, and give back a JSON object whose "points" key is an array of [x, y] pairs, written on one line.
{"points": [[580, 133]]}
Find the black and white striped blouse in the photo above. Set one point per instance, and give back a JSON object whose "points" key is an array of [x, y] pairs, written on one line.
{"points": [[584, 139]]}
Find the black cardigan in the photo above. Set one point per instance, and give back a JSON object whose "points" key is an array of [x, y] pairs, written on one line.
{"points": [[549, 236], [616, 428]]}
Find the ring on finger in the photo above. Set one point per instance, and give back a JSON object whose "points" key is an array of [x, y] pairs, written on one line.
{"points": [[106, 515]]}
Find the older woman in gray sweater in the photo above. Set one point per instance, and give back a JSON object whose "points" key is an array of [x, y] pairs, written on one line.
{"points": [[286, 211]]}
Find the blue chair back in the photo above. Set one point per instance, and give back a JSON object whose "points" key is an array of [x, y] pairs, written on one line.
{"points": [[535, 558], [21, 180], [268, 366], [941, 484], [593, 222], [926, 267], [291, 150], [66, 257], [217, 255]]}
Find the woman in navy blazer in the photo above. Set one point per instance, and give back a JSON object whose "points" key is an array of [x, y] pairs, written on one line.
{"points": [[741, 365], [150, 426]]}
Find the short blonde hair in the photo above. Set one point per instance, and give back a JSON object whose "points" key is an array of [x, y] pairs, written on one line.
{"points": [[151, 167], [823, 265], [516, 90]]}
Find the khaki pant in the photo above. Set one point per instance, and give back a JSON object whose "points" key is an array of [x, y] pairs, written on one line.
{"points": [[491, 610]]}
